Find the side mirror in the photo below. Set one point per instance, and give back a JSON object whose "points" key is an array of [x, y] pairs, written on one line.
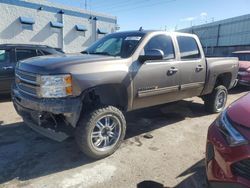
{"points": [[154, 54]]}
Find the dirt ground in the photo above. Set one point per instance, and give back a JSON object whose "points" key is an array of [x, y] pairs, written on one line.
{"points": [[174, 157]]}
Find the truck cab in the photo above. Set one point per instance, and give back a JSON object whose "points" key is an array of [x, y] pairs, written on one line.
{"points": [[178, 74]]}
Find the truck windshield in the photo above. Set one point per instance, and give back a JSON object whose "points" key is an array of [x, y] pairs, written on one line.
{"points": [[118, 44]]}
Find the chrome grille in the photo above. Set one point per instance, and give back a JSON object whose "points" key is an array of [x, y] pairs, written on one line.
{"points": [[26, 82]]}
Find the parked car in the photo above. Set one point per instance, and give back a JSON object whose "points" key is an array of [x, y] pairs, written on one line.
{"points": [[244, 67], [10, 54], [123, 71], [228, 148]]}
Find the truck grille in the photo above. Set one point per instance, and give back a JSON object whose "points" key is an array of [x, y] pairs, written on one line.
{"points": [[242, 168], [26, 82]]}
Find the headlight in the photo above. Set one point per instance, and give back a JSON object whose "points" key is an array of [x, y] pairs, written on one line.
{"points": [[55, 86], [234, 138]]}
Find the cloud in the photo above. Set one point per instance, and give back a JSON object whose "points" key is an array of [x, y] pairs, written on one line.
{"points": [[188, 19], [203, 14]]}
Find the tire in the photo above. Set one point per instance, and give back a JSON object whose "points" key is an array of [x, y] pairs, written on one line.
{"points": [[214, 104], [93, 133]]}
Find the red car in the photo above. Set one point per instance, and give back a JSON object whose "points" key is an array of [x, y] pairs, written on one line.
{"points": [[228, 148], [244, 67]]}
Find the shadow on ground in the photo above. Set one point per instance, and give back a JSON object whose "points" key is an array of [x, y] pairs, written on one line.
{"points": [[196, 178], [239, 89], [25, 154]]}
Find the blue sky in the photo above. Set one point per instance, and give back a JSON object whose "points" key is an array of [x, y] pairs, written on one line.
{"points": [[164, 14]]}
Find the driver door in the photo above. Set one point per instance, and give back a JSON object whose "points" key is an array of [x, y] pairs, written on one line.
{"points": [[157, 81]]}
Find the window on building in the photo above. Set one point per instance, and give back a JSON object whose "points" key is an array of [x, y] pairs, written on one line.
{"points": [[162, 42], [22, 54], [243, 56], [4, 56], [188, 48]]}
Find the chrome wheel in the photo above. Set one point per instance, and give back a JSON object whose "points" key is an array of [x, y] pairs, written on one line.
{"points": [[106, 132], [221, 100]]}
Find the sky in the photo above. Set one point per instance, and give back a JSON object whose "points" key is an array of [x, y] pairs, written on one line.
{"points": [[164, 14]]}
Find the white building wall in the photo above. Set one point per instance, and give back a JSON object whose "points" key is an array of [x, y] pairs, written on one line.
{"points": [[67, 38]]}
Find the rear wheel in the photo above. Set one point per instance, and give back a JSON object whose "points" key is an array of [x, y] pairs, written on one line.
{"points": [[100, 133], [216, 101]]}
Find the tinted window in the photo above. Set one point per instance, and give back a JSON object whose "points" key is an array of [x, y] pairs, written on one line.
{"points": [[188, 48], [46, 53], [4, 56], [22, 54], [161, 42]]}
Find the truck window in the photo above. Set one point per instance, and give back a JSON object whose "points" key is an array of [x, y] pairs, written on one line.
{"points": [[117, 44], [164, 43], [188, 48], [112, 46], [4, 56], [22, 54]]}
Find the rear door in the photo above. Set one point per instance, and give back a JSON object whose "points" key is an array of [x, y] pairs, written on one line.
{"points": [[192, 66], [7, 68], [157, 81]]}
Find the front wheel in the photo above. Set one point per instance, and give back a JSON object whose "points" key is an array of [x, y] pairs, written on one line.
{"points": [[100, 133], [216, 101]]}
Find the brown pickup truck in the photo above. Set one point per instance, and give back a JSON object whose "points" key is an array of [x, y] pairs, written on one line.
{"points": [[89, 93]]}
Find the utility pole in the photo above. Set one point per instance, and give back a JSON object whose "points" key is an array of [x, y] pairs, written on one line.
{"points": [[86, 4]]}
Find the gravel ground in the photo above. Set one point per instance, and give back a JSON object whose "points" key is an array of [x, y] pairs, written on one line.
{"points": [[173, 157]]}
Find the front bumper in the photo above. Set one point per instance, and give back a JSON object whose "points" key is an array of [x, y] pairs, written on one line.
{"points": [[53, 118], [219, 160]]}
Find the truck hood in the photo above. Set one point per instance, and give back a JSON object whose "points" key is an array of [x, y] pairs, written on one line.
{"points": [[48, 64], [244, 65], [239, 111]]}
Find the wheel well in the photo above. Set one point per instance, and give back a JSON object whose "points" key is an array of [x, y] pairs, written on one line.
{"points": [[111, 94], [224, 79]]}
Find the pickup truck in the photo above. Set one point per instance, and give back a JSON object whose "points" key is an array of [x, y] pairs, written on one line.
{"points": [[10, 54], [87, 94]]}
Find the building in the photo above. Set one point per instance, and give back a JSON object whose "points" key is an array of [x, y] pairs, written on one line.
{"points": [[221, 38], [41, 22]]}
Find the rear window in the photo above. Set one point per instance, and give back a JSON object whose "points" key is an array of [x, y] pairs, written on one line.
{"points": [[4, 56], [188, 48]]}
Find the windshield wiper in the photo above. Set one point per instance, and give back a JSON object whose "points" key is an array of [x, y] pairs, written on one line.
{"points": [[100, 53], [84, 52]]}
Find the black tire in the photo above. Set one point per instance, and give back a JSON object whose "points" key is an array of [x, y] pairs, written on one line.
{"points": [[211, 100], [87, 125]]}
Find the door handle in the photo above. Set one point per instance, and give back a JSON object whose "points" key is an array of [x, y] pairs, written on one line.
{"points": [[199, 68], [6, 68], [172, 71]]}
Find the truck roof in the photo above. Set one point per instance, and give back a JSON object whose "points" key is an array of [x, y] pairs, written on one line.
{"points": [[138, 32]]}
